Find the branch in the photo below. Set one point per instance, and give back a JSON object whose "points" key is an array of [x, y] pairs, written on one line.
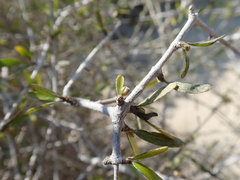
{"points": [[157, 69], [89, 104]]}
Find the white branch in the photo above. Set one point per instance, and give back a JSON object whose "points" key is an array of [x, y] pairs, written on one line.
{"points": [[158, 67]]}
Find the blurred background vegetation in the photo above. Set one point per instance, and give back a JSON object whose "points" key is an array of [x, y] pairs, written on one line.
{"points": [[62, 142]]}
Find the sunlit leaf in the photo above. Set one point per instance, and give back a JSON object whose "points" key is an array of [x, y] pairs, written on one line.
{"points": [[44, 91], [158, 94], [150, 153], [148, 173], [158, 138], [192, 89], [39, 96], [119, 84], [23, 52], [8, 62], [152, 83], [31, 110], [206, 43], [185, 71], [133, 144]]}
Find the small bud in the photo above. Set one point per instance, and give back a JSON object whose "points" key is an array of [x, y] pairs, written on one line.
{"points": [[125, 90], [184, 45], [141, 109]]}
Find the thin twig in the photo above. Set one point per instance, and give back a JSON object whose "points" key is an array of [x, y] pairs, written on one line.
{"points": [[13, 155], [213, 33], [29, 29], [87, 60]]}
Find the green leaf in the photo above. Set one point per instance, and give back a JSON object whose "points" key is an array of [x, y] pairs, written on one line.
{"points": [[99, 19], [28, 77], [119, 84], [206, 43], [55, 33], [158, 94], [100, 22], [23, 52], [158, 138], [133, 144], [150, 153], [21, 68], [160, 130], [148, 173], [185, 71], [8, 62], [152, 83], [42, 97], [18, 119], [192, 89], [44, 91], [31, 110]]}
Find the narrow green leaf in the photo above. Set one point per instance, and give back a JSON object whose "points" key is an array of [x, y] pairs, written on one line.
{"points": [[158, 94], [150, 153], [206, 43], [185, 71], [152, 83], [160, 130], [148, 173], [133, 144], [21, 68], [119, 84], [42, 97], [44, 91], [27, 76], [100, 22], [18, 119], [99, 18], [158, 138], [8, 62], [23, 52], [192, 89], [31, 110]]}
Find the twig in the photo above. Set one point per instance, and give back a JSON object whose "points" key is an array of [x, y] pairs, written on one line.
{"points": [[41, 161], [29, 29], [107, 110], [13, 155], [87, 60], [65, 12], [116, 171], [213, 33]]}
